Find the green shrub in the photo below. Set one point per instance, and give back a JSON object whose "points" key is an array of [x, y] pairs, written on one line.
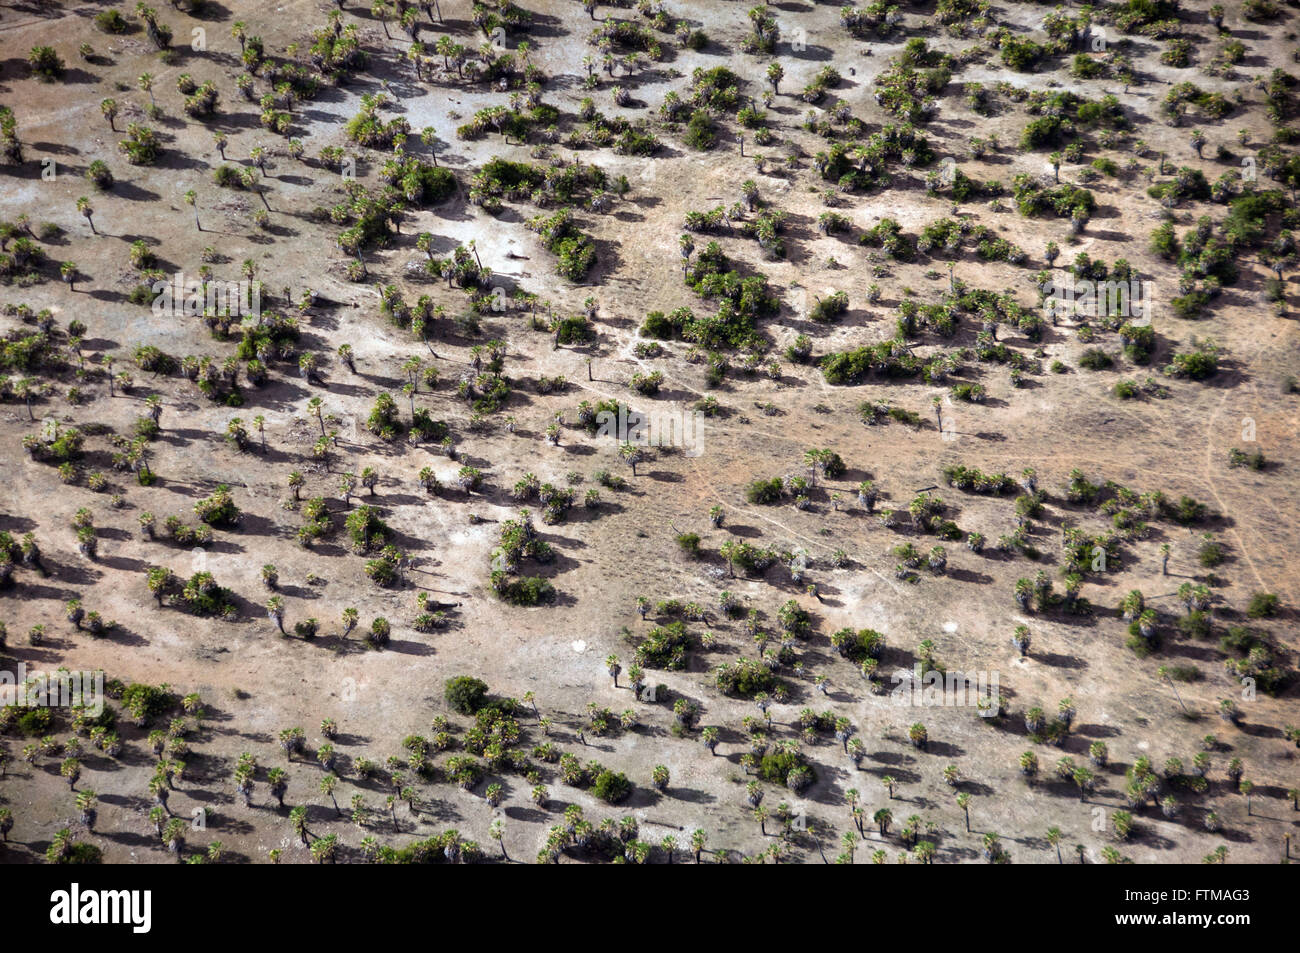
{"points": [[700, 133], [764, 491], [1095, 359], [1021, 53], [45, 63], [777, 767], [525, 591], [111, 21], [611, 787], [465, 694], [1263, 605]]}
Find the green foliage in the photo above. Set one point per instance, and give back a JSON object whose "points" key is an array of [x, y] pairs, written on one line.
{"points": [[831, 307], [611, 787], [664, 647], [764, 491], [141, 146], [524, 591], [1034, 199], [1020, 53], [367, 531], [700, 134], [1263, 605], [465, 694], [576, 252], [776, 767], [745, 677], [218, 509]]}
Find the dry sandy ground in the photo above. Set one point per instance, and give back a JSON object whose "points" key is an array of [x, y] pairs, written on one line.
{"points": [[255, 683]]}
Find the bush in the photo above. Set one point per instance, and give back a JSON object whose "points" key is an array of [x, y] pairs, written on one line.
{"points": [[45, 63], [611, 787], [141, 145], [664, 647], [219, 509], [1021, 53], [1095, 359], [656, 325], [1263, 605], [777, 767], [831, 307], [764, 491], [525, 591], [111, 21], [1197, 365], [689, 544], [465, 694], [1126, 389], [746, 678], [699, 131], [575, 251]]}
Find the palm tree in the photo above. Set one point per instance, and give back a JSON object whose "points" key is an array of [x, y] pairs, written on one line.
{"points": [[173, 836], [298, 818], [882, 819], [1054, 838], [278, 781], [349, 620], [686, 245], [1029, 765], [275, 612], [613, 667], [315, 407], [1198, 141], [1020, 638], [192, 199], [382, 12], [631, 455], [109, 108], [963, 802], [775, 73], [85, 208], [259, 158], [145, 82], [1085, 781], [248, 179]]}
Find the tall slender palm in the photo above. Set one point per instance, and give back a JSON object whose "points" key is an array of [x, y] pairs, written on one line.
{"points": [[1054, 838], [85, 208], [882, 819]]}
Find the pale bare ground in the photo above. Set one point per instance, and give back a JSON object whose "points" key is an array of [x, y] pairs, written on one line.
{"points": [[255, 683]]}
